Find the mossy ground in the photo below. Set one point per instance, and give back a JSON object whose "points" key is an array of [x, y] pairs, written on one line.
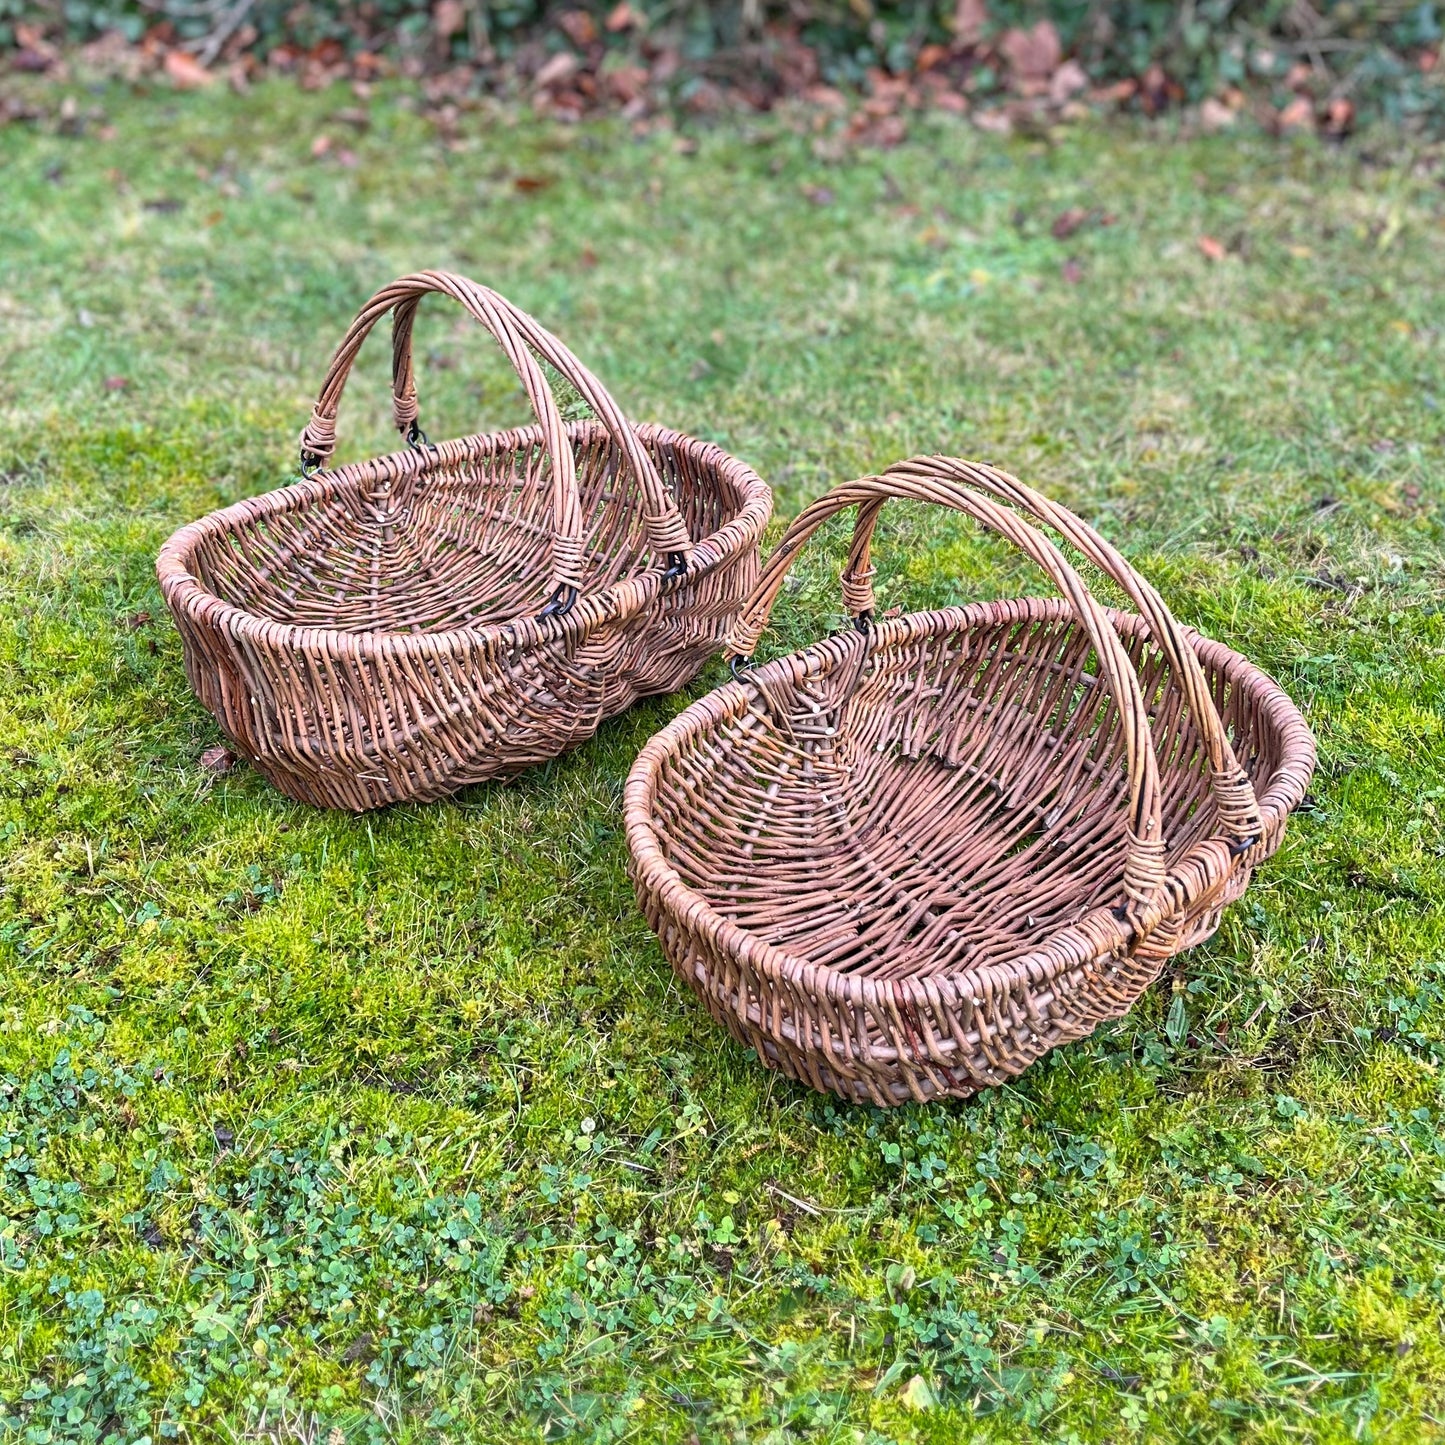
{"points": [[400, 1123]]}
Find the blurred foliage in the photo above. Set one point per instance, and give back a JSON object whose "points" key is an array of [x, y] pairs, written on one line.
{"points": [[1382, 54]]}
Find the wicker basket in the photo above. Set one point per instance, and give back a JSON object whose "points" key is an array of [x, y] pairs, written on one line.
{"points": [[397, 628], [909, 859]]}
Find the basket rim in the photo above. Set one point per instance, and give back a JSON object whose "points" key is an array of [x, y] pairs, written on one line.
{"points": [[184, 591], [1201, 870]]}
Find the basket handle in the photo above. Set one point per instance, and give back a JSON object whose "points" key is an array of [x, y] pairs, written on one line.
{"points": [[1234, 794], [515, 332], [1144, 858]]}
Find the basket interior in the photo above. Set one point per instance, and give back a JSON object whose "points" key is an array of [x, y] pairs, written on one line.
{"points": [[460, 539], [925, 806]]}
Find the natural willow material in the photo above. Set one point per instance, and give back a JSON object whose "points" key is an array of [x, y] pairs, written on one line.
{"points": [[909, 859], [399, 627]]}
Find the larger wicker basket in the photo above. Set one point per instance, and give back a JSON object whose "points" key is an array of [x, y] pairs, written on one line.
{"points": [[396, 628], [907, 860]]}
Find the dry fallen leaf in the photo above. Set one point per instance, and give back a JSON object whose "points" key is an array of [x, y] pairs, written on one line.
{"points": [[1214, 115], [218, 761], [1032, 55], [1211, 249], [579, 27], [320, 146], [116, 383], [819, 195], [969, 19], [185, 71], [1067, 222], [561, 67], [1299, 114], [529, 184], [1073, 273], [622, 17], [137, 620], [1067, 82]]}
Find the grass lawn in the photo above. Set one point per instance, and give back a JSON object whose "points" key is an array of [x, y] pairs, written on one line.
{"points": [[398, 1126]]}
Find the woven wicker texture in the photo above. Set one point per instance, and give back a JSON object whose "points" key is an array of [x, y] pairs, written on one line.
{"points": [[907, 860], [397, 628]]}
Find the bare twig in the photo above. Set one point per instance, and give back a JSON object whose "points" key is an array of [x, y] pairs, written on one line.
{"points": [[209, 48]]}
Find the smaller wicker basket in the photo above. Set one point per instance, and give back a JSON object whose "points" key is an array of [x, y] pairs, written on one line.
{"points": [[909, 859], [396, 628]]}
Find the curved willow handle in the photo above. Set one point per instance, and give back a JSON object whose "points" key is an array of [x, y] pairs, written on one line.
{"points": [[667, 533], [1234, 794], [503, 321], [1144, 860]]}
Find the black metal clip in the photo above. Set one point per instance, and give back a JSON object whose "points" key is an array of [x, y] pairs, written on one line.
{"points": [[562, 601], [676, 567], [310, 463], [738, 665], [417, 439], [862, 621], [1238, 850]]}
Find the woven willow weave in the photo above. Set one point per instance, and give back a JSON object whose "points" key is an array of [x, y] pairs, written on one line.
{"points": [[909, 859], [397, 628]]}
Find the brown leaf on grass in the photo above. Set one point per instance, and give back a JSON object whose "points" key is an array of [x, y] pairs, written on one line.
{"points": [[588, 258], [1067, 222], [34, 55], [1032, 55], [819, 195], [995, 122], [1116, 94], [529, 185], [1069, 80], [969, 19], [1211, 249], [218, 761], [320, 146], [1156, 90], [1214, 115], [1299, 114], [885, 132], [186, 72], [1340, 116], [557, 70], [116, 383], [137, 620], [626, 82], [1072, 272], [623, 17], [579, 27], [825, 96]]}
